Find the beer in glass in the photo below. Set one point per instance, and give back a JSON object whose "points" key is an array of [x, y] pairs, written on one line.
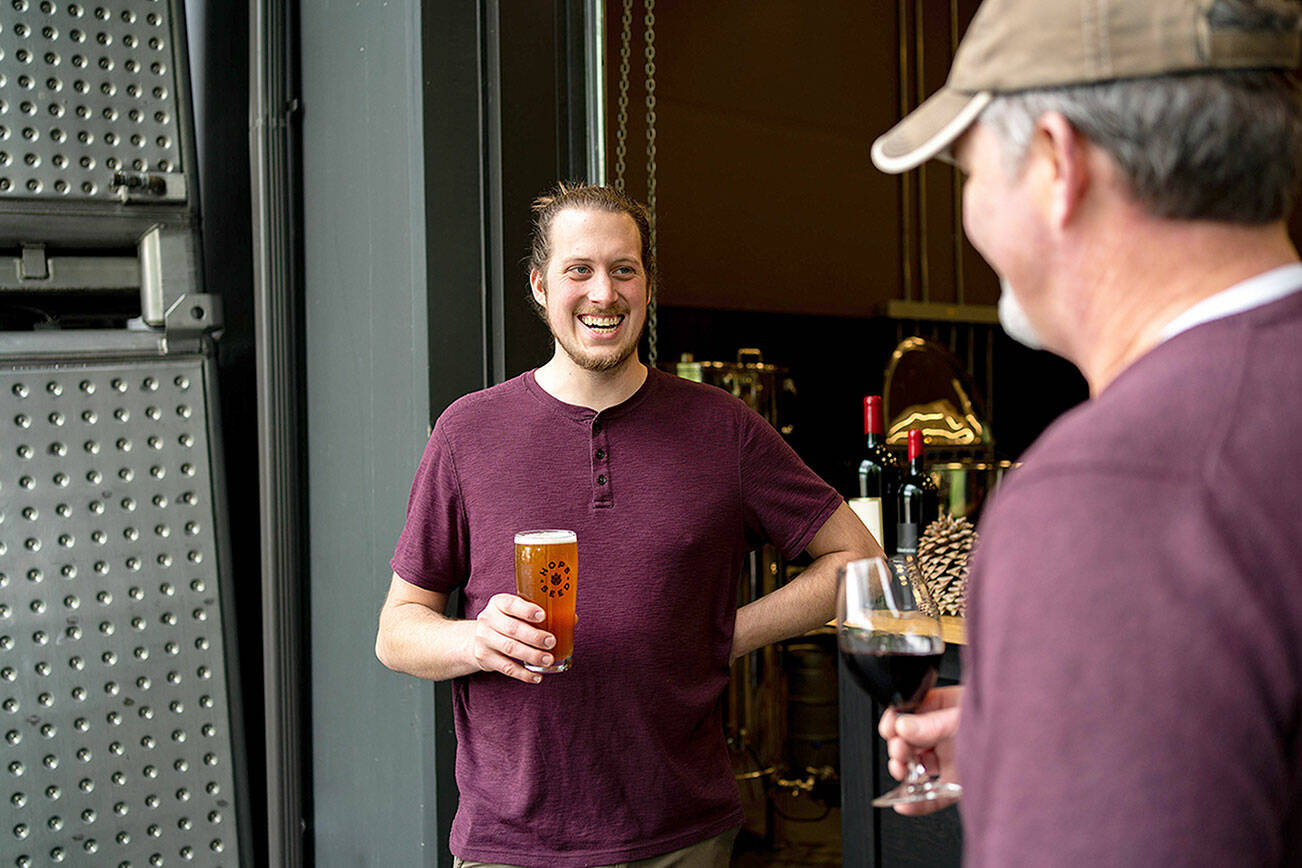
{"points": [[547, 574]]}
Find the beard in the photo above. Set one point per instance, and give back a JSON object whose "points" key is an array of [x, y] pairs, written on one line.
{"points": [[598, 363], [1012, 316]]}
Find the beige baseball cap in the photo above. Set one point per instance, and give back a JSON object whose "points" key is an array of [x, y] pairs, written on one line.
{"points": [[1014, 45]]}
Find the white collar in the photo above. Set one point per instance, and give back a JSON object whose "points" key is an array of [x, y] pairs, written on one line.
{"points": [[1245, 295]]}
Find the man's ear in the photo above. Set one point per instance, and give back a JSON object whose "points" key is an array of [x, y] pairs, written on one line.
{"points": [[1065, 164], [537, 287]]}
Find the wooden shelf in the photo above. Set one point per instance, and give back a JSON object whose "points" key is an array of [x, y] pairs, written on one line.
{"points": [[953, 630]]}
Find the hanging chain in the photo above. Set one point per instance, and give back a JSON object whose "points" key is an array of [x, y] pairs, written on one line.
{"points": [[621, 137], [621, 118], [650, 69]]}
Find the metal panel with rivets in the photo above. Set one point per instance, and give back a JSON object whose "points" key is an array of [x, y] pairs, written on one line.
{"points": [[96, 133], [87, 91], [114, 701], [122, 735]]}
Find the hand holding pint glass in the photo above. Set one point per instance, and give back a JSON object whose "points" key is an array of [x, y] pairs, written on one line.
{"points": [[547, 575]]}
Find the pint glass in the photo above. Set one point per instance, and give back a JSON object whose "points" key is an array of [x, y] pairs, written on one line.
{"points": [[547, 573]]}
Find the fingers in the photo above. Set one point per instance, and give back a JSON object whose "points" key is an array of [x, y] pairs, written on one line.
{"points": [[898, 764], [505, 639], [929, 728], [495, 661], [920, 809], [489, 660], [513, 607], [917, 736], [886, 726], [935, 719], [941, 697], [925, 736]]}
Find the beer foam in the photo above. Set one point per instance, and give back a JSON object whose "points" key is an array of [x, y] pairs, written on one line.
{"points": [[545, 537]]}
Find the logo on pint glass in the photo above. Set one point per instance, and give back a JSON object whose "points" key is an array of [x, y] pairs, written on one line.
{"points": [[556, 578]]}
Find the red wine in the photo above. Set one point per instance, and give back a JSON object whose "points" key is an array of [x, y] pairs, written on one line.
{"points": [[894, 668], [879, 472], [899, 680], [918, 503]]}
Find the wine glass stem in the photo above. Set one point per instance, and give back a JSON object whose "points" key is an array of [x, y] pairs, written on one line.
{"points": [[917, 772]]}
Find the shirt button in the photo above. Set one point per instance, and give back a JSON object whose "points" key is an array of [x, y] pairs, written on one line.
{"points": [[601, 454], [596, 427], [601, 480]]}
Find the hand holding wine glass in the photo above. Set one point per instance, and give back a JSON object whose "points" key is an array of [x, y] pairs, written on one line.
{"points": [[887, 629], [926, 735]]}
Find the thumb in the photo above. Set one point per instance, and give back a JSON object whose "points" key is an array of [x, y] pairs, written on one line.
{"points": [[925, 730]]}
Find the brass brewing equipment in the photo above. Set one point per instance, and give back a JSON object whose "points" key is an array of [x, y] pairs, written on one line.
{"points": [[927, 388]]}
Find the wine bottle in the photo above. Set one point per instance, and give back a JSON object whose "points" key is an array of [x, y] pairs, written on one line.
{"points": [[879, 477], [918, 502]]}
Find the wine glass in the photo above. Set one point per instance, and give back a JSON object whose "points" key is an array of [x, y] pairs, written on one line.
{"points": [[889, 633]]}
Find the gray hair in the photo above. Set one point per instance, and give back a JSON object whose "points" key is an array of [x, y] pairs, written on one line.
{"points": [[1223, 146]]}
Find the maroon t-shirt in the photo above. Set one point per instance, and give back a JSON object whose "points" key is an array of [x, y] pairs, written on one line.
{"points": [[622, 757], [1135, 667]]}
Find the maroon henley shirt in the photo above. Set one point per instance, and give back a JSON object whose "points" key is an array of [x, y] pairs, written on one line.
{"points": [[622, 757]]}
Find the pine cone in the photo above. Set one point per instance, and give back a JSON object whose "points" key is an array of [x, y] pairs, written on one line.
{"points": [[927, 603], [943, 553]]}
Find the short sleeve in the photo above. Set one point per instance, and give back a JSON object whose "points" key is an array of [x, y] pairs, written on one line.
{"points": [[433, 550], [783, 501]]}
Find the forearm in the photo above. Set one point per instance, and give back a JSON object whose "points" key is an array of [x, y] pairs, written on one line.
{"points": [[809, 600], [798, 607], [418, 641]]}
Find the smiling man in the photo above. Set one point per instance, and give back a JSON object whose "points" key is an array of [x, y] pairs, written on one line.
{"points": [[596, 320], [668, 484]]}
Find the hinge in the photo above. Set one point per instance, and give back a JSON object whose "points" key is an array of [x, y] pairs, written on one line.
{"points": [[34, 265], [149, 186]]}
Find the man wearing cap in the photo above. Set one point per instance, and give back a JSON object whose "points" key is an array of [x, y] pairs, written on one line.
{"points": [[1134, 674]]}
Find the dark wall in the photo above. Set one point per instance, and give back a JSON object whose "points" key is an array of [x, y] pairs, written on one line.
{"points": [[765, 113]]}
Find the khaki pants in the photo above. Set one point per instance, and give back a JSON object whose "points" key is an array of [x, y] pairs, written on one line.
{"points": [[711, 853]]}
